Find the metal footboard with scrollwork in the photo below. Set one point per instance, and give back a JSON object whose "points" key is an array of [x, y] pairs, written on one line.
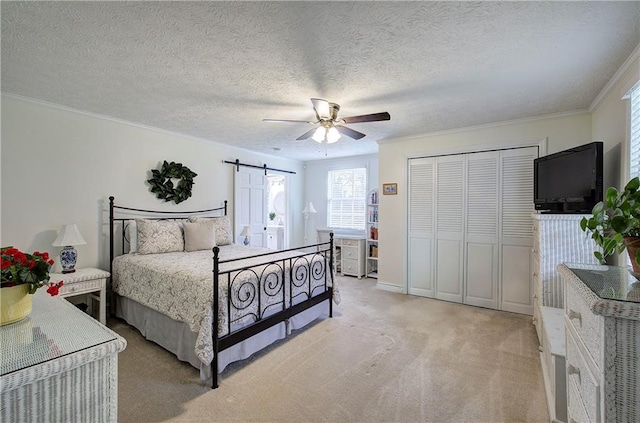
{"points": [[252, 293], [269, 292]]}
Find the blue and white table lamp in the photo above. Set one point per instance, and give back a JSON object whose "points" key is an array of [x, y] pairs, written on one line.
{"points": [[246, 234], [68, 237]]}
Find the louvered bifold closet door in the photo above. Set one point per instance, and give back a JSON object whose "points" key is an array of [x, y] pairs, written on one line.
{"points": [[421, 233], [482, 235], [450, 224], [517, 229]]}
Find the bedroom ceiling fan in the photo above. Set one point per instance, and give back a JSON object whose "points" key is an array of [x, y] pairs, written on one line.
{"points": [[330, 126]]}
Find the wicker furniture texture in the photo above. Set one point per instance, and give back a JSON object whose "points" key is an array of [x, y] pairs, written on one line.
{"points": [[85, 281], [602, 319], [557, 239], [58, 365]]}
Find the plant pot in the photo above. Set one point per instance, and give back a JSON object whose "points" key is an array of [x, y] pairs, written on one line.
{"points": [[15, 304], [633, 244]]}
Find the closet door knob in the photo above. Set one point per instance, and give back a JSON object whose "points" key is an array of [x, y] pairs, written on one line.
{"points": [[575, 315], [573, 370]]}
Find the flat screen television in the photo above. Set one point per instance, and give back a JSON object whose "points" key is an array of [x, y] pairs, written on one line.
{"points": [[569, 181]]}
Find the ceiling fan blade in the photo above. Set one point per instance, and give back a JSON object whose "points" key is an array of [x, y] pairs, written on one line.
{"points": [[323, 111], [374, 117], [350, 132], [306, 134], [287, 120]]}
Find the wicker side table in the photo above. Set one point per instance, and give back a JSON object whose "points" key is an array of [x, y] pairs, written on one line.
{"points": [[85, 281], [58, 364]]}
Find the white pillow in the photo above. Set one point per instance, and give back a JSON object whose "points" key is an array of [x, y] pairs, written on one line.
{"points": [[132, 233], [222, 227], [159, 236], [199, 235]]}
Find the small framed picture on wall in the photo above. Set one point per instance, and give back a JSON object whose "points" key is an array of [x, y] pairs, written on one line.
{"points": [[390, 189]]}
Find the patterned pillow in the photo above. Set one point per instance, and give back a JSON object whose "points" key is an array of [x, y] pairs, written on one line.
{"points": [[158, 236], [199, 235], [222, 227]]}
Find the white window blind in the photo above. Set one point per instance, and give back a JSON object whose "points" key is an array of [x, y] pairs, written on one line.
{"points": [[634, 133], [347, 196]]}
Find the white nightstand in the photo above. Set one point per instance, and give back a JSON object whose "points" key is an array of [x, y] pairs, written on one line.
{"points": [[85, 281]]}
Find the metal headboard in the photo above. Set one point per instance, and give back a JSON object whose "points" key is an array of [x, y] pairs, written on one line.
{"points": [[153, 215]]}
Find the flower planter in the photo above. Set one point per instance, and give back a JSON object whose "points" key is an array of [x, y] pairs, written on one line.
{"points": [[633, 244], [15, 303]]}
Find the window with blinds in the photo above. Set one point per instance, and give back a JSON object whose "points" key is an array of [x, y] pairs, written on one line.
{"points": [[634, 133], [347, 198]]}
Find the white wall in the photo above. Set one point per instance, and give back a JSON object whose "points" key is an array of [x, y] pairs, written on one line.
{"points": [[610, 122], [315, 184], [562, 132], [60, 166]]}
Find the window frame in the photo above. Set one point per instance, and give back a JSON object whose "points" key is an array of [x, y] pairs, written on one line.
{"points": [[363, 200]]}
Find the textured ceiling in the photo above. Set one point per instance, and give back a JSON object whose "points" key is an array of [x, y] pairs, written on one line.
{"points": [[214, 70]]}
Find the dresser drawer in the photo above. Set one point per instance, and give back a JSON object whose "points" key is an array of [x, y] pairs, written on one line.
{"points": [[587, 385], [536, 239], [350, 253], [350, 242], [576, 411], [537, 285], [350, 267], [81, 287], [587, 325]]}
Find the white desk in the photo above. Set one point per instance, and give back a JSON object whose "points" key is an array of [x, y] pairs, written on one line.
{"points": [[58, 364]]}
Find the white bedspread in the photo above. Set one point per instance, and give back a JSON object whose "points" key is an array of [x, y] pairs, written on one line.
{"points": [[180, 285]]}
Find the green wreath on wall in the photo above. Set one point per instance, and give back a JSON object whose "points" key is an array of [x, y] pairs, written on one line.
{"points": [[162, 184]]}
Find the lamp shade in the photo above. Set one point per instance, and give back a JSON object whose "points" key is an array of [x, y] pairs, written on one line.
{"points": [[245, 231], [69, 235], [309, 208]]}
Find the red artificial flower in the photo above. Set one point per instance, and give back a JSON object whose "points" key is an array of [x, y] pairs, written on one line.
{"points": [[20, 257], [5, 264], [10, 251], [54, 288]]}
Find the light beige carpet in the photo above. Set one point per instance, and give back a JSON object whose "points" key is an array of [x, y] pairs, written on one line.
{"points": [[383, 357]]}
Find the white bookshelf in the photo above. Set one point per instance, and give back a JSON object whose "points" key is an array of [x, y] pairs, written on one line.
{"points": [[372, 234]]}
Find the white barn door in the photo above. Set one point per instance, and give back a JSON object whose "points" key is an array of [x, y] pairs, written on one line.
{"points": [[250, 205]]}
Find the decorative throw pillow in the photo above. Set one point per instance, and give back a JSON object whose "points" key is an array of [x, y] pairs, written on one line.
{"points": [[132, 232], [222, 227], [199, 235], [158, 236]]}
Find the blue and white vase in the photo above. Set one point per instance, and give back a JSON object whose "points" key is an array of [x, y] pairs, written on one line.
{"points": [[68, 257]]}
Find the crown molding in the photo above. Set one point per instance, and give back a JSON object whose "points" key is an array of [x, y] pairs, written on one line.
{"points": [[484, 126], [133, 124], [617, 77]]}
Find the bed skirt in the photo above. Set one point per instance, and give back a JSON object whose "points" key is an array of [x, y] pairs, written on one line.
{"points": [[177, 338]]}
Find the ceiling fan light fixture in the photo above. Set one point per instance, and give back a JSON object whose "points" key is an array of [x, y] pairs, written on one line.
{"points": [[332, 135], [320, 133]]}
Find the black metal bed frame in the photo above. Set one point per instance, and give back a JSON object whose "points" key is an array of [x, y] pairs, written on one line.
{"points": [[268, 279]]}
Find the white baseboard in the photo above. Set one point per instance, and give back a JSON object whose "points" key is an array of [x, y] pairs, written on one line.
{"points": [[390, 287]]}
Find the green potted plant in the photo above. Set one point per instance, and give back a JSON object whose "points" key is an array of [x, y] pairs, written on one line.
{"points": [[615, 224], [272, 215]]}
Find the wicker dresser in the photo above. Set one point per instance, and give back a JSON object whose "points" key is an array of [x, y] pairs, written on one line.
{"points": [[58, 365], [602, 320]]}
